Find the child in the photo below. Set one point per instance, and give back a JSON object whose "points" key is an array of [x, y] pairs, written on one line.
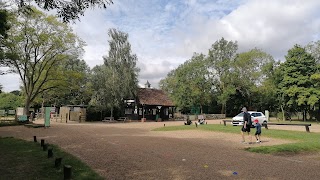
{"points": [[258, 130]]}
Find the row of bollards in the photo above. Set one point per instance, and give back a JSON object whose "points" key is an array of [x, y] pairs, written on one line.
{"points": [[58, 161]]}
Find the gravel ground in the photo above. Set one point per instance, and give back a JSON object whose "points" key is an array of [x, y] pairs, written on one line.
{"points": [[132, 151]]}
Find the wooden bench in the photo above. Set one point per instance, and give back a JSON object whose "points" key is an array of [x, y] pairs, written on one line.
{"points": [[122, 119], [281, 124], [108, 119]]}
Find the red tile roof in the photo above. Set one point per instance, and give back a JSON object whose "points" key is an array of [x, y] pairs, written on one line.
{"points": [[150, 96]]}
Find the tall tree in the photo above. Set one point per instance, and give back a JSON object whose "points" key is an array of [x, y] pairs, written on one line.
{"points": [[297, 87], [250, 69], [190, 84], [102, 91], [121, 70], [35, 46], [221, 56], [67, 10]]}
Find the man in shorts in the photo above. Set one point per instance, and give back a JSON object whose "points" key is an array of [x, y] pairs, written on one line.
{"points": [[246, 127]]}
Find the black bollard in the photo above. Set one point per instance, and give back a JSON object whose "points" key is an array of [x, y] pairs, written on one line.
{"points": [[164, 125], [42, 142], [50, 153], [34, 138], [196, 124], [67, 172], [206, 122], [57, 162], [45, 147]]}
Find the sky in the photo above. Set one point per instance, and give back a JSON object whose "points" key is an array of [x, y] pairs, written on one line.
{"points": [[165, 33]]}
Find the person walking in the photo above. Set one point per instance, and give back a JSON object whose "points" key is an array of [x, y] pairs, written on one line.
{"points": [[246, 125], [258, 130]]}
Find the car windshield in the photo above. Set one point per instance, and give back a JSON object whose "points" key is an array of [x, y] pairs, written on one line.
{"points": [[241, 114]]}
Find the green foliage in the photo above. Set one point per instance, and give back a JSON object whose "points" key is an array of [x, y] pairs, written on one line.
{"points": [[297, 87], [4, 27], [189, 85], [72, 84], [67, 10], [9, 101], [252, 73], [225, 77], [36, 45], [221, 56], [116, 80]]}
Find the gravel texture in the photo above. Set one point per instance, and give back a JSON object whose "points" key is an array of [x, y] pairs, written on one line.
{"points": [[133, 151]]}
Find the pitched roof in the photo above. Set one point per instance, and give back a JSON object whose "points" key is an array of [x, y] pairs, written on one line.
{"points": [[153, 97]]}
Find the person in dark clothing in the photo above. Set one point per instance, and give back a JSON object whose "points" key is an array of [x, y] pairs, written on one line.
{"points": [[258, 130], [246, 126]]}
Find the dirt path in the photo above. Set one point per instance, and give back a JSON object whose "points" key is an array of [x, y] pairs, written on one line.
{"points": [[132, 151]]}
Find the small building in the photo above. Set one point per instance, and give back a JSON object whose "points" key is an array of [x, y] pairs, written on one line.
{"points": [[73, 113], [150, 104]]}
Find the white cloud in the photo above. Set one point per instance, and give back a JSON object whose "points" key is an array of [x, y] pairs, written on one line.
{"points": [[166, 33], [10, 82], [274, 26]]}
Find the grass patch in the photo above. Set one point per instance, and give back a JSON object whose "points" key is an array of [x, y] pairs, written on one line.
{"points": [[22, 159], [306, 142]]}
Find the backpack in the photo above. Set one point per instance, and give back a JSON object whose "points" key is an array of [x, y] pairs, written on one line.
{"points": [[249, 118]]}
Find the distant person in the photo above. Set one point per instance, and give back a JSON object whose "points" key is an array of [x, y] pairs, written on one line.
{"points": [[258, 130], [188, 122], [246, 125]]}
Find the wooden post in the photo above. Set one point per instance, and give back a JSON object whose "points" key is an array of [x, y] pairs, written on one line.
{"points": [[224, 123], [45, 147], [67, 172], [57, 162], [34, 138], [266, 125], [66, 117], [50, 153], [196, 124], [307, 128], [42, 142]]}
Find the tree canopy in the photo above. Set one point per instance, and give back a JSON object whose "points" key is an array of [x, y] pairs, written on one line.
{"points": [[117, 78], [35, 46], [67, 10]]}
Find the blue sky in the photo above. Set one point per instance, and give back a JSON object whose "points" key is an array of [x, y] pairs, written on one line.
{"points": [[165, 33]]}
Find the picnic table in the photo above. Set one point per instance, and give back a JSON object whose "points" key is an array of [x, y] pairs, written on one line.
{"points": [[108, 119], [122, 119]]}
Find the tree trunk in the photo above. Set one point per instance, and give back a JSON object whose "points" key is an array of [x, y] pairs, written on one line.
{"points": [[27, 106], [223, 108], [111, 112], [282, 110]]}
